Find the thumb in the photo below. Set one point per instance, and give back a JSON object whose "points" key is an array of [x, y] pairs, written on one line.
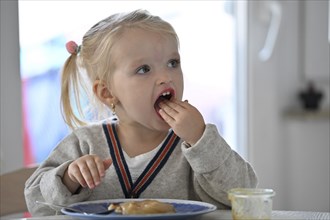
{"points": [[107, 163]]}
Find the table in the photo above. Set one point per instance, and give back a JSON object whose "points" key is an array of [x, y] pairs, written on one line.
{"points": [[225, 214]]}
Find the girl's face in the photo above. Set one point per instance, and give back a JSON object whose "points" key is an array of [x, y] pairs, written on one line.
{"points": [[147, 70]]}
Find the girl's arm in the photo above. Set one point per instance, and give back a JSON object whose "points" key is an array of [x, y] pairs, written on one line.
{"points": [[46, 184], [217, 168]]}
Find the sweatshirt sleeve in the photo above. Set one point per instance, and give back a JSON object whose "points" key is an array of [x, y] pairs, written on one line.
{"points": [[217, 168], [45, 184]]}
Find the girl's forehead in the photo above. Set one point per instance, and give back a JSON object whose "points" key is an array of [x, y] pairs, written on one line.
{"points": [[136, 40]]}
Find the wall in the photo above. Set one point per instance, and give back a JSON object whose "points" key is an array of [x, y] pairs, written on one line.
{"points": [[290, 154], [11, 155]]}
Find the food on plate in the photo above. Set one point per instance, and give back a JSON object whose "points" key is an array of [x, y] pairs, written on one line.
{"points": [[142, 207]]}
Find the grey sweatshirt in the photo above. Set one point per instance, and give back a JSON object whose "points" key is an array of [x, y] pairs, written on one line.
{"points": [[203, 172]]}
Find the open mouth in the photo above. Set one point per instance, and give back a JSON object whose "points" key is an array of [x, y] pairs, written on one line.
{"points": [[165, 95]]}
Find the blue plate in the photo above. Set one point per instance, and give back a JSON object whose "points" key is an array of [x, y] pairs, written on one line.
{"points": [[184, 209]]}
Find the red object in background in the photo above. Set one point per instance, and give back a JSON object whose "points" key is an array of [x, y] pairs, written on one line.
{"points": [[27, 215], [27, 148]]}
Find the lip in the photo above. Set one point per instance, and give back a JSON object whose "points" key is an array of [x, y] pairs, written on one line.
{"points": [[156, 106]]}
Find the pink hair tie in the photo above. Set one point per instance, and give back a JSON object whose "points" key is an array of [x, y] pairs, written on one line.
{"points": [[72, 47]]}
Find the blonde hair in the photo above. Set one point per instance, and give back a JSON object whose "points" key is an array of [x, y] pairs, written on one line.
{"points": [[94, 62]]}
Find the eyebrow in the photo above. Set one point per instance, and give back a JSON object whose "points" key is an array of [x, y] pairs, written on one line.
{"points": [[176, 54], [139, 61]]}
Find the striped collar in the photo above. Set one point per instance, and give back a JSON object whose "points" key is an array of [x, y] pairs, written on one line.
{"points": [[130, 189]]}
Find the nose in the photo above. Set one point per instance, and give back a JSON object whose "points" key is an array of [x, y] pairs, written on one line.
{"points": [[164, 77]]}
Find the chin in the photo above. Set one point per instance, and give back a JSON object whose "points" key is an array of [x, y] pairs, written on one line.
{"points": [[163, 126]]}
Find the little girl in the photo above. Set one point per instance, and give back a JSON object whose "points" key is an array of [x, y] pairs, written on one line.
{"points": [[159, 146]]}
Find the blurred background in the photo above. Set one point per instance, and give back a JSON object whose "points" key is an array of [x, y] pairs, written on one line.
{"points": [[259, 70]]}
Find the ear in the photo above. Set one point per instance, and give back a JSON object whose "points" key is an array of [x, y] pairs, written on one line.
{"points": [[104, 94]]}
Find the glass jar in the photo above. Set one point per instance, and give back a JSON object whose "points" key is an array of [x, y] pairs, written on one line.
{"points": [[251, 203]]}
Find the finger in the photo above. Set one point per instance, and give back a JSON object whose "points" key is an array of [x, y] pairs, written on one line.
{"points": [[94, 171], [169, 108], [107, 163], [75, 175], [178, 105], [86, 175], [167, 118], [100, 167], [184, 104]]}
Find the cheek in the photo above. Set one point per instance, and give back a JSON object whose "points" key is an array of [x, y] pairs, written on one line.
{"points": [[121, 87], [131, 96], [179, 85]]}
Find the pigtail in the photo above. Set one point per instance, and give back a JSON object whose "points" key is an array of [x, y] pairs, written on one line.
{"points": [[70, 84]]}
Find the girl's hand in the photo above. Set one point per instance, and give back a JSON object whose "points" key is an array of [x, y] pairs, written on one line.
{"points": [[185, 120], [87, 170]]}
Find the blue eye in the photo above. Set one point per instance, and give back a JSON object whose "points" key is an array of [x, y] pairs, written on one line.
{"points": [[173, 63], [143, 69]]}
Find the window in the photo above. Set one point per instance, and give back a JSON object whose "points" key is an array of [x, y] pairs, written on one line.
{"points": [[207, 39]]}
